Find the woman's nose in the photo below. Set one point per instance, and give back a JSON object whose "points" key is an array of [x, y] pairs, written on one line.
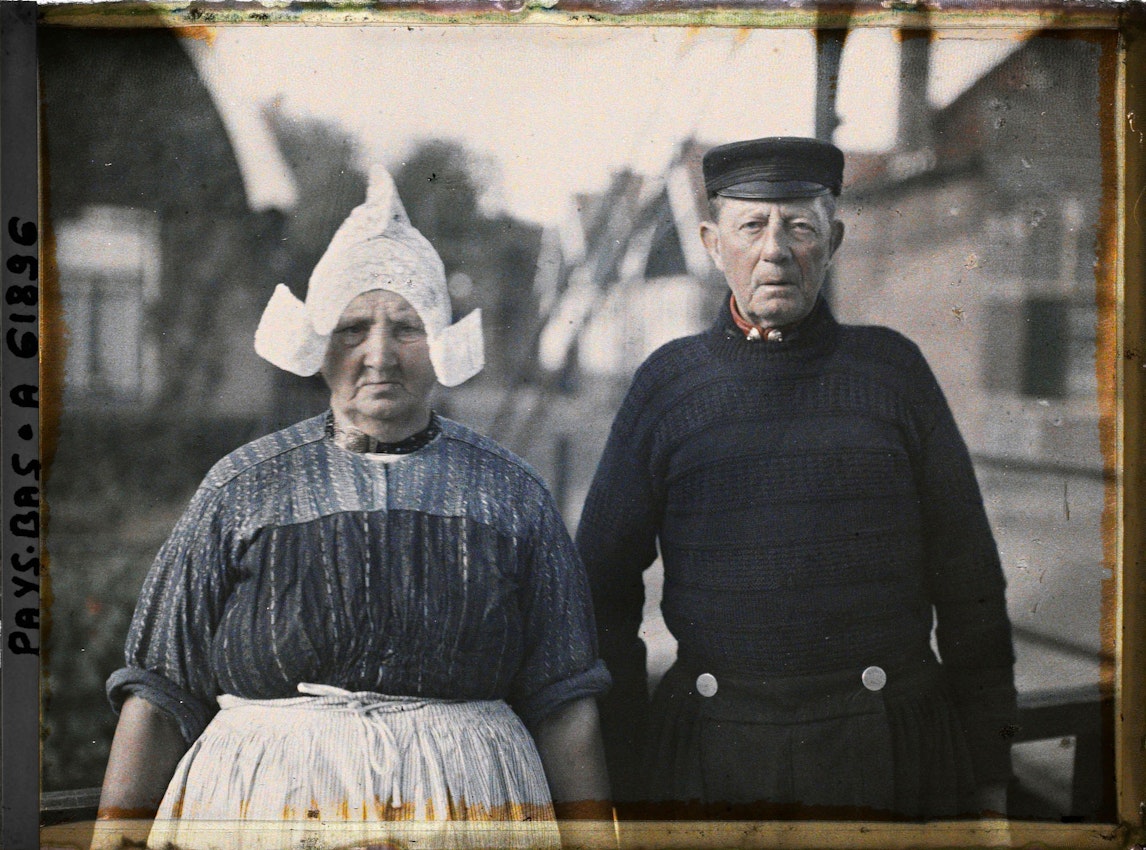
{"points": [[379, 348]]}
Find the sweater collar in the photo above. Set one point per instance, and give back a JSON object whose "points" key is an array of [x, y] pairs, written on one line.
{"points": [[814, 331], [752, 332]]}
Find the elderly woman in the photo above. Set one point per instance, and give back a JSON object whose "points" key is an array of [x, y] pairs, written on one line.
{"points": [[355, 615]]}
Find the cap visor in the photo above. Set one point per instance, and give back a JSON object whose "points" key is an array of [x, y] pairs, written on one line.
{"points": [[767, 190]]}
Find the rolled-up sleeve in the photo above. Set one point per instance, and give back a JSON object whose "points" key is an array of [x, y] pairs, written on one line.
{"points": [[167, 654], [561, 664]]}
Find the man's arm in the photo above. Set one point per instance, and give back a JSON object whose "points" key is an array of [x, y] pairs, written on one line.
{"points": [[617, 540], [967, 587]]}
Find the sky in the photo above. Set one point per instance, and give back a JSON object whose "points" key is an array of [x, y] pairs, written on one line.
{"points": [[557, 110]]}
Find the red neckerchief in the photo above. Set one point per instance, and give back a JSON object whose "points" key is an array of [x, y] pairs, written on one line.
{"points": [[745, 326]]}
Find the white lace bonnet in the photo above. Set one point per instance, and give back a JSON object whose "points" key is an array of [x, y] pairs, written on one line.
{"points": [[375, 248]]}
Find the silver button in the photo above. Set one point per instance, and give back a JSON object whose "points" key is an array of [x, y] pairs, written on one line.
{"points": [[706, 685], [874, 678], [753, 335], [774, 336]]}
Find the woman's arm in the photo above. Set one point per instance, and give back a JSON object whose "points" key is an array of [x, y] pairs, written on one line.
{"points": [[569, 742], [144, 754]]}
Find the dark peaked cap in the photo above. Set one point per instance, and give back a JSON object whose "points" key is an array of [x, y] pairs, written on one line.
{"points": [[773, 168]]}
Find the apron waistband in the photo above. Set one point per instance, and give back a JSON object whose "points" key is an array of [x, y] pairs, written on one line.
{"points": [[318, 696]]}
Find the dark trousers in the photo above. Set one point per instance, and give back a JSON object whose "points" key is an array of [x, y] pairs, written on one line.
{"points": [[809, 746]]}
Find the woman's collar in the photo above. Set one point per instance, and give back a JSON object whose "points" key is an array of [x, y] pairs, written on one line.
{"points": [[356, 441]]}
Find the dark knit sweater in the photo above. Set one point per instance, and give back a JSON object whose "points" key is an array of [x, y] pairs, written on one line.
{"points": [[814, 506]]}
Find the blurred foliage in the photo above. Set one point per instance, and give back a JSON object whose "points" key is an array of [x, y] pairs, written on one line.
{"points": [[490, 258], [330, 180], [115, 490]]}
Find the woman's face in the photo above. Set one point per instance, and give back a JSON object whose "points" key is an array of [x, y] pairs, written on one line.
{"points": [[378, 367]]}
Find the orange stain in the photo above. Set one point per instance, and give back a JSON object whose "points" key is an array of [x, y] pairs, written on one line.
{"points": [[118, 813], [206, 34], [382, 812], [1106, 362]]}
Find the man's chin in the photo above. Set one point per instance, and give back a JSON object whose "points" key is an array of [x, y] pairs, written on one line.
{"points": [[777, 318], [780, 311]]}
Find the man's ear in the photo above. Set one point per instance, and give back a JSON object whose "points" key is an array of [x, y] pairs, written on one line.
{"points": [[837, 236], [710, 236]]}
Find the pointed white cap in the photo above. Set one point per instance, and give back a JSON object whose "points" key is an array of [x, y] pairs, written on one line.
{"points": [[375, 248]]}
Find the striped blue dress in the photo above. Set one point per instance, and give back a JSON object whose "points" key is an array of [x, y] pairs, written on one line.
{"points": [[427, 604]]}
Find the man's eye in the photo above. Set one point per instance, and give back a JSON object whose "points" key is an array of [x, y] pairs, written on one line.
{"points": [[409, 331]]}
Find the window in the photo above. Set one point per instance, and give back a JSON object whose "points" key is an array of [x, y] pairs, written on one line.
{"points": [[1045, 349], [1058, 351], [108, 260]]}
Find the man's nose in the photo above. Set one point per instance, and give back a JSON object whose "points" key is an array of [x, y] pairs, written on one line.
{"points": [[774, 244], [379, 348]]}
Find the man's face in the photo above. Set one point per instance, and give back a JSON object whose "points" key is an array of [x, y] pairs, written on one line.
{"points": [[378, 366], [774, 254]]}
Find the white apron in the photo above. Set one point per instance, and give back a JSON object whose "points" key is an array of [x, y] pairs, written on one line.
{"points": [[340, 769]]}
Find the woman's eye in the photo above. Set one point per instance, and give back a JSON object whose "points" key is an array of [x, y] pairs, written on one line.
{"points": [[409, 331], [350, 335]]}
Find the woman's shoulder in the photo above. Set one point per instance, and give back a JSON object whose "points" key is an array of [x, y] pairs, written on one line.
{"points": [[265, 450], [486, 453]]}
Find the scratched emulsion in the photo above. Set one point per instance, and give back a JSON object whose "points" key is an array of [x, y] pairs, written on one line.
{"points": [[985, 15], [1106, 364]]}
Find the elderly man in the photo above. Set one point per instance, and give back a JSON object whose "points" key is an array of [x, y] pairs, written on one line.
{"points": [[816, 512]]}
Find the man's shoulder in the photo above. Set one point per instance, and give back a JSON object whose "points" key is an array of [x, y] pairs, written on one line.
{"points": [[878, 343], [674, 358], [264, 450]]}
